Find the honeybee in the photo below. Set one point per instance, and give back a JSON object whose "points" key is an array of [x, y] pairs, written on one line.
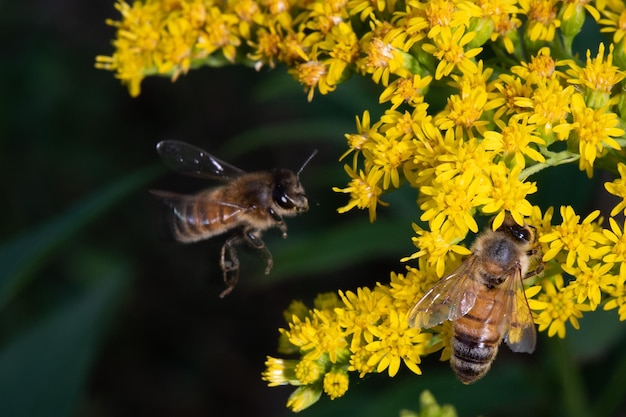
{"points": [[248, 202], [485, 300]]}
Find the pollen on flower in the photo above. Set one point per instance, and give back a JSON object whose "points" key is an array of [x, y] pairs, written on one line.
{"points": [[312, 75]]}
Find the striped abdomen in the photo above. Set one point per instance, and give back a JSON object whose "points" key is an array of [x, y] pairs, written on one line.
{"points": [[202, 216], [477, 335]]}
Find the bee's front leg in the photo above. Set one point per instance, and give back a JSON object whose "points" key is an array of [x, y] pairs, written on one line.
{"points": [[253, 238], [230, 266], [280, 223]]}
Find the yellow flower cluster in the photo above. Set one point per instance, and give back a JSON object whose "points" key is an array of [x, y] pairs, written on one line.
{"points": [[361, 332], [517, 101]]}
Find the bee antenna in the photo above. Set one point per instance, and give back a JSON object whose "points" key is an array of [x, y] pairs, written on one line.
{"points": [[305, 163]]}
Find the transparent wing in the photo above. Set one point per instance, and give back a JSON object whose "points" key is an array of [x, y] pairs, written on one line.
{"points": [[179, 203], [450, 298], [189, 160], [521, 335]]}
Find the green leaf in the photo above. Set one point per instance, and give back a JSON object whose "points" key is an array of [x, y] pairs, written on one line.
{"points": [[21, 257], [43, 370]]}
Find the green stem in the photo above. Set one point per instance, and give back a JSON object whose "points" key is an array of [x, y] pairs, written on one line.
{"points": [[574, 398], [554, 159]]}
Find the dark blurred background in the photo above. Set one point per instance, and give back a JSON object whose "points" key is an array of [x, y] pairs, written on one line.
{"points": [[99, 317]]}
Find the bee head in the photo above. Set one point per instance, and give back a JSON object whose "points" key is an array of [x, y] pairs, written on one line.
{"points": [[288, 192], [523, 234]]}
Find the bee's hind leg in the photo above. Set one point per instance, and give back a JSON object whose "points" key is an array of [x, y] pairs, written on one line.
{"points": [[230, 266], [253, 238]]}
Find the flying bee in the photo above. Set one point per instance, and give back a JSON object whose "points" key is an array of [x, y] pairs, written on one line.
{"points": [[484, 299], [248, 203]]}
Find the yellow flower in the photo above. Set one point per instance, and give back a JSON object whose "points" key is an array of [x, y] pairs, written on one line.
{"points": [[280, 372], [508, 193], [410, 90], [556, 305], [381, 59], [573, 240], [313, 74], [618, 188], [309, 371], [617, 297], [464, 111], [590, 282], [548, 107], [515, 142], [343, 48], [542, 19], [450, 204], [389, 155], [336, 383], [438, 249], [219, 33], [396, 343], [362, 310], [617, 242], [303, 397], [511, 89], [541, 68], [614, 19], [598, 77], [448, 48], [362, 139], [593, 131], [364, 191]]}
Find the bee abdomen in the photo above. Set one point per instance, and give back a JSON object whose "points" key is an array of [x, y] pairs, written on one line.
{"points": [[471, 360], [198, 219]]}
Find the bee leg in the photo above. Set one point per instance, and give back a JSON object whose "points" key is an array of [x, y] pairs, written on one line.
{"points": [[230, 266], [253, 238], [279, 221], [282, 226], [538, 270]]}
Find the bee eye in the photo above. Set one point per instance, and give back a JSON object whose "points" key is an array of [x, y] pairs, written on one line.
{"points": [[520, 233], [280, 197]]}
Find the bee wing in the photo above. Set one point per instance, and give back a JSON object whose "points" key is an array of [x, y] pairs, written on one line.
{"points": [[450, 298], [189, 160], [521, 335], [178, 202]]}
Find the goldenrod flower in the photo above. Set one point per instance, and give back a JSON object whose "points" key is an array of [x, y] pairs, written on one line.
{"points": [[280, 372], [448, 48], [364, 191], [336, 383], [615, 15], [395, 343], [515, 142], [618, 297], [303, 397], [597, 77], [577, 242], [556, 305], [594, 130], [617, 243], [542, 15], [618, 188]]}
